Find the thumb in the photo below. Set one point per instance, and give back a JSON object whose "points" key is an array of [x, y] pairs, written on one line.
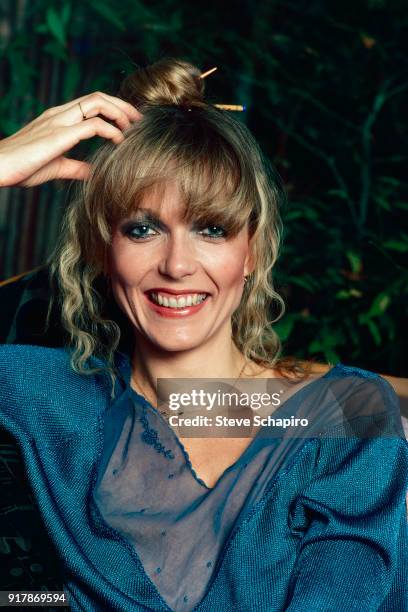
{"points": [[61, 168], [73, 169]]}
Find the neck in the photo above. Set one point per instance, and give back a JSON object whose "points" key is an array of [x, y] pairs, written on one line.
{"points": [[212, 360]]}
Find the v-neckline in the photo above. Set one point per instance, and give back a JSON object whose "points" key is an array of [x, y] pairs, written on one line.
{"points": [[100, 521], [248, 448]]}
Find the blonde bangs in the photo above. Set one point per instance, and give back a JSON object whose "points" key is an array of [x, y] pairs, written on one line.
{"points": [[214, 184]]}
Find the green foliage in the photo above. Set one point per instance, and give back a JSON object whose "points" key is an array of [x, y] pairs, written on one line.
{"points": [[325, 84]]}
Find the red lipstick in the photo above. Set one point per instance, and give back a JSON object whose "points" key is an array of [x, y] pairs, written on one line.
{"points": [[175, 313]]}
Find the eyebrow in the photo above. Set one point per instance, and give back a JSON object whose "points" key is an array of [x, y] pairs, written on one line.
{"points": [[149, 215], [150, 212]]}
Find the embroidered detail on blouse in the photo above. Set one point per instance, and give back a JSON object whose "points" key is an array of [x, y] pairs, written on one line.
{"points": [[150, 436]]}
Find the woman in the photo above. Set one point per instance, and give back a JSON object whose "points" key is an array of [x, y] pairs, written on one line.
{"points": [[163, 267]]}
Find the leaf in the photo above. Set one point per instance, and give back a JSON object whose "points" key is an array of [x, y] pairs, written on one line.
{"points": [[56, 25], [390, 180], [345, 294], [396, 245], [377, 308], [315, 346], [293, 214], [66, 13], [331, 355], [23, 543], [374, 331], [338, 192], [355, 262], [281, 39], [302, 281], [54, 48], [379, 305], [284, 328], [4, 546], [381, 201], [109, 14], [307, 213]]}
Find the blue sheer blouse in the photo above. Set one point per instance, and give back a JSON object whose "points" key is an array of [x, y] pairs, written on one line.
{"points": [[297, 523], [148, 491]]}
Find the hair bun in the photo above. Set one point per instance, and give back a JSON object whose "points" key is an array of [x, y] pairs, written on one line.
{"points": [[168, 81]]}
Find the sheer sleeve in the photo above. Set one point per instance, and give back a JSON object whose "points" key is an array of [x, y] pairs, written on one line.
{"points": [[352, 519]]}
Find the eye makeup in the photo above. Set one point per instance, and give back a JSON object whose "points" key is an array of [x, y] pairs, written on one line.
{"points": [[144, 218]]}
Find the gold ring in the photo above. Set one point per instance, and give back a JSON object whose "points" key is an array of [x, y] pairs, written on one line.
{"points": [[83, 114]]}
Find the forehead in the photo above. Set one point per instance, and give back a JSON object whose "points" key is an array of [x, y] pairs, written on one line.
{"points": [[164, 199]]}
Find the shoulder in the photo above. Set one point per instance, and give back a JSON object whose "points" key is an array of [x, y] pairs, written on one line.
{"points": [[30, 353], [39, 388], [362, 404], [24, 365], [36, 367], [359, 379], [397, 384], [366, 379]]}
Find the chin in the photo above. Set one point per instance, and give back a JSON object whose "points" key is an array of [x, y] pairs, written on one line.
{"points": [[173, 345]]}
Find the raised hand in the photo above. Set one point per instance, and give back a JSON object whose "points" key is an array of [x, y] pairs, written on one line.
{"points": [[36, 153]]}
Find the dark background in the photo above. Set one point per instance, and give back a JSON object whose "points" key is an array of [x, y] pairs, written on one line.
{"points": [[325, 84]]}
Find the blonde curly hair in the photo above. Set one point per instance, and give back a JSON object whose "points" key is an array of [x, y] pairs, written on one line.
{"points": [[225, 180]]}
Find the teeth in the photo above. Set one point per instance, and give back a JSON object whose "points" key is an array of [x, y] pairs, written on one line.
{"points": [[181, 302]]}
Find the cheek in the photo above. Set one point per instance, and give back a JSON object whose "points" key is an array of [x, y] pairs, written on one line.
{"points": [[230, 276], [230, 268], [124, 268]]}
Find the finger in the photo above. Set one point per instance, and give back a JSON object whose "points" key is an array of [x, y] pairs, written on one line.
{"points": [[61, 168], [92, 127], [92, 107], [73, 169], [125, 106], [97, 104], [25, 160], [40, 151], [130, 111]]}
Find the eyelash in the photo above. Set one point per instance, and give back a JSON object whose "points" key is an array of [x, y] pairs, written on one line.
{"points": [[130, 229]]}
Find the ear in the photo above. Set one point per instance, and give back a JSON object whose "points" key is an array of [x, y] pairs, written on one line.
{"points": [[249, 264]]}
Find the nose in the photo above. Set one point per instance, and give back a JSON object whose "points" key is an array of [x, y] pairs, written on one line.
{"points": [[178, 258]]}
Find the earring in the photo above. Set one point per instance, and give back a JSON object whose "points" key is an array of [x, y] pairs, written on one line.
{"points": [[245, 279]]}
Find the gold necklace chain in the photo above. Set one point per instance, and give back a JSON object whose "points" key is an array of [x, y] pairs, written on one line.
{"points": [[164, 413]]}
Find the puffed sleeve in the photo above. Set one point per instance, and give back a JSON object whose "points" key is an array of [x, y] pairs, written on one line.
{"points": [[351, 520]]}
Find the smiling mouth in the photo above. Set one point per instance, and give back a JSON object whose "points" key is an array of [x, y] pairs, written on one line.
{"points": [[177, 302]]}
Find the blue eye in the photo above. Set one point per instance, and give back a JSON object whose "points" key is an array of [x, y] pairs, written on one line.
{"points": [[140, 231], [216, 227], [132, 231]]}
